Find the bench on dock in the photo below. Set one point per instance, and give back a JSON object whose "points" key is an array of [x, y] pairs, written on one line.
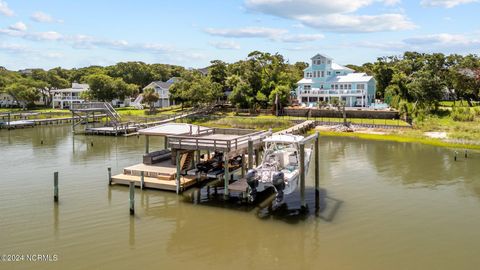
{"points": [[157, 156]]}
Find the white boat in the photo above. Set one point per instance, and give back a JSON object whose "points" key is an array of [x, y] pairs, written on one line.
{"points": [[280, 167]]}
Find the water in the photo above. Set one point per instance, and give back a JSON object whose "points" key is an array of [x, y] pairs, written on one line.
{"points": [[405, 206]]}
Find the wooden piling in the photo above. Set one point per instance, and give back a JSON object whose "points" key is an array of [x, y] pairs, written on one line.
{"points": [[132, 198], [257, 157], [147, 144], [455, 156], [317, 173], [466, 154], [226, 174], [55, 187], [109, 176], [302, 175], [250, 154], [177, 179], [142, 179]]}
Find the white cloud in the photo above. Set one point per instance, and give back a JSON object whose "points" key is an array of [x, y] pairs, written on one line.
{"points": [[274, 34], [334, 16], [14, 48], [5, 10], [300, 38], [19, 26], [359, 23], [45, 36], [43, 17], [444, 41], [247, 32], [225, 45], [446, 3]]}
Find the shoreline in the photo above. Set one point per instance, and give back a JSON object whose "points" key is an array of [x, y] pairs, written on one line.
{"points": [[388, 136]]}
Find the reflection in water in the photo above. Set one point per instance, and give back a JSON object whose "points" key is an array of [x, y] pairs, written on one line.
{"points": [[407, 206], [131, 234]]}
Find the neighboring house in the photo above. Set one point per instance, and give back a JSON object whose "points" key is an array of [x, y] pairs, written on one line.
{"points": [[64, 98], [324, 80], [163, 91], [7, 101]]}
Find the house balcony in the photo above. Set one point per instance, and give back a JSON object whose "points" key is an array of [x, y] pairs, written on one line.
{"points": [[324, 92]]}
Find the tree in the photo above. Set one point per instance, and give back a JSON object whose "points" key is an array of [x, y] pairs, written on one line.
{"points": [[51, 81], [106, 88], [150, 97]]}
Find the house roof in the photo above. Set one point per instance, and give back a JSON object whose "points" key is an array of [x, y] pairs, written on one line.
{"points": [[304, 80], [336, 66], [321, 55], [351, 78], [164, 85]]}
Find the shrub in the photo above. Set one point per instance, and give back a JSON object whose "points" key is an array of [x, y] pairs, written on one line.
{"points": [[463, 114]]}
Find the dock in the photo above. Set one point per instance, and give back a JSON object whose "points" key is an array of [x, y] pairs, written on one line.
{"points": [[298, 128], [187, 145]]}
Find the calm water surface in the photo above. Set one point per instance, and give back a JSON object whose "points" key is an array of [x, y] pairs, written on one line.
{"points": [[405, 206]]}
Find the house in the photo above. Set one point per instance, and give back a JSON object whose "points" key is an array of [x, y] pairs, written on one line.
{"points": [[163, 91], [325, 80], [64, 98], [8, 101]]}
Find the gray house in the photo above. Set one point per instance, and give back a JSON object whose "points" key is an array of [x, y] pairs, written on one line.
{"points": [[163, 91]]}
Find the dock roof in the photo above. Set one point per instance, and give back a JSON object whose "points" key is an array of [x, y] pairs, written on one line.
{"points": [[173, 129]]}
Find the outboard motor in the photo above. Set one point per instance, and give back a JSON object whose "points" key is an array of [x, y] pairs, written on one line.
{"points": [[278, 181], [252, 182]]}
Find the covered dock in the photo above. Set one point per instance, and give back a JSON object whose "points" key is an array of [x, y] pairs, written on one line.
{"points": [[186, 145]]}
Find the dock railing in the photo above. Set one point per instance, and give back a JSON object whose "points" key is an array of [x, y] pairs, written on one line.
{"points": [[198, 143]]}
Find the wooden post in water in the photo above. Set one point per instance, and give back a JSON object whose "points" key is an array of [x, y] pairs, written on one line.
{"points": [[132, 198], [317, 173], [55, 187], [257, 158], [109, 176], [165, 143], [8, 121], [147, 144], [177, 181], [226, 175], [302, 175], [243, 165], [142, 179], [466, 154], [455, 157], [250, 154]]}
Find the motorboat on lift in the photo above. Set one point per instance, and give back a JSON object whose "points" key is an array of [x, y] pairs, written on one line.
{"points": [[280, 167]]}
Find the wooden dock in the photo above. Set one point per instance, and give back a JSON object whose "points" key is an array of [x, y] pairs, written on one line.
{"points": [[297, 129], [158, 176]]}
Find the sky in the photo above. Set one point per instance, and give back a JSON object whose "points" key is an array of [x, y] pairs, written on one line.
{"points": [[191, 33]]}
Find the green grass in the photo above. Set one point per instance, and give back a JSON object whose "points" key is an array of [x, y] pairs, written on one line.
{"points": [[402, 138], [257, 123]]}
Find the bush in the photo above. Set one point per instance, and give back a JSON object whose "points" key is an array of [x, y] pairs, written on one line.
{"points": [[463, 114]]}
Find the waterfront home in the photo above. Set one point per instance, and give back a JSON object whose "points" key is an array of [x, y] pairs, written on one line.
{"points": [[163, 91], [325, 80], [64, 98], [8, 101]]}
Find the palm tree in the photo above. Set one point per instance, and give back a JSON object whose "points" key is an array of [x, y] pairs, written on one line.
{"points": [[150, 97]]}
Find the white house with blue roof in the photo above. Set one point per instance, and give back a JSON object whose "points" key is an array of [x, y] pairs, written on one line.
{"points": [[325, 80]]}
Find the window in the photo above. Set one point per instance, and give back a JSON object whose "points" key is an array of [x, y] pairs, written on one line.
{"points": [[323, 74], [307, 87], [341, 86], [321, 86], [329, 73], [338, 72], [349, 86], [329, 61]]}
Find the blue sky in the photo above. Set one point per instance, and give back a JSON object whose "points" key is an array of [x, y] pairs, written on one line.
{"points": [[190, 33]]}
